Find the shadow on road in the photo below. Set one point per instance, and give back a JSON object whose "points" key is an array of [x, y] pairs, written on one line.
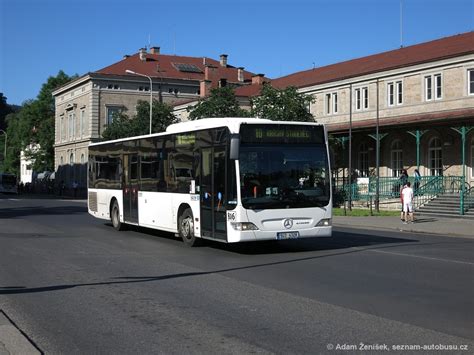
{"points": [[339, 240], [342, 243]]}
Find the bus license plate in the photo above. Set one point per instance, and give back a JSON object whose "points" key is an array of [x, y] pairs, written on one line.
{"points": [[287, 235]]}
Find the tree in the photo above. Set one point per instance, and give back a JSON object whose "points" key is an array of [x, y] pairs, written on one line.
{"points": [[34, 124], [282, 104], [220, 103], [5, 109], [122, 126]]}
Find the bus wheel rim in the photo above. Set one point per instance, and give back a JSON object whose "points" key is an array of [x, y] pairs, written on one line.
{"points": [[186, 227]]}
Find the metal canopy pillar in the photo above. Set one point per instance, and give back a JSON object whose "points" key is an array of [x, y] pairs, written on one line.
{"points": [[417, 134], [378, 137], [343, 141], [463, 131]]}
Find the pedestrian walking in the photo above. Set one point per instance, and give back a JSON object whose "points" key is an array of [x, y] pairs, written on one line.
{"points": [[407, 197]]}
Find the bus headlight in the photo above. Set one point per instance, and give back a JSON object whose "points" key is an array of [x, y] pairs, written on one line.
{"points": [[244, 226], [326, 222]]}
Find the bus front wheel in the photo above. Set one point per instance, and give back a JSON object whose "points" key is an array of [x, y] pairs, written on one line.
{"points": [[115, 217], [186, 228]]}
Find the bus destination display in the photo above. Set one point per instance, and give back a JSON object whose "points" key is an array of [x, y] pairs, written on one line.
{"points": [[280, 133]]}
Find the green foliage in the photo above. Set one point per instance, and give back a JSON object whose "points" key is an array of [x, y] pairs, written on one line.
{"points": [[220, 103], [122, 126], [34, 124], [5, 109], [282, 104]]}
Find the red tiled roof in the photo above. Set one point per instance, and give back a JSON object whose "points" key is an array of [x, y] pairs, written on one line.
{"points": [[161, 66], [420, 53]]}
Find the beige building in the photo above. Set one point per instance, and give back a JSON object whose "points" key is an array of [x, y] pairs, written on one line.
{"points": [[423, 90]]}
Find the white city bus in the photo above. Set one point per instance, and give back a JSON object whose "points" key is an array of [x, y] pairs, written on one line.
{"points": [[224, 179]]}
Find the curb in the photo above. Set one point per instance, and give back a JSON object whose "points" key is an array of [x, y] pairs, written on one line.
{"points": [[13, 340], [391, 229]]}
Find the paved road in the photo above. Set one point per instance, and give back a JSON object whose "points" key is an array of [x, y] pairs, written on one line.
{"points": [[72, 284]]}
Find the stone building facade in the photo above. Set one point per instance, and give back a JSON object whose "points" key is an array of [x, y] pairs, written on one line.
{"points": [[424, 91]]}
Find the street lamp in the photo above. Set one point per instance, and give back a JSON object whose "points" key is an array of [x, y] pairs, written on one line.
{"points": [[5, 150], [151, 92]]}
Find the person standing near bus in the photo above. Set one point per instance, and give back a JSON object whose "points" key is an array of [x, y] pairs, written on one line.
{"points": [[402, 184], [408, 203]]}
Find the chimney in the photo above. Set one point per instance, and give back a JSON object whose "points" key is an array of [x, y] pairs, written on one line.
{"points": [[126, 56], [155, 50], [257, 79], [240, 74], [142, 53], [223, 60], [204, 88]]}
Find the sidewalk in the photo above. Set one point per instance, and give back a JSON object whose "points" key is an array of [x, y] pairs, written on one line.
{"points": [[423, 224], [12, 341]]}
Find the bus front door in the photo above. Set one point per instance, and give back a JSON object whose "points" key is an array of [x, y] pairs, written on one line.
{"points": [[130, 188], [213, 173]]}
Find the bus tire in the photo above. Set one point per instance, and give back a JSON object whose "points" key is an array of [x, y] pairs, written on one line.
{"points": [[115, 217], [186, 228]]}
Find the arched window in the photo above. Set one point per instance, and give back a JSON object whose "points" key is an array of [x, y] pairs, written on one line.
{"points": [[396, 158], [61, 161], [364, 160], [435, 158], [71, 159]]}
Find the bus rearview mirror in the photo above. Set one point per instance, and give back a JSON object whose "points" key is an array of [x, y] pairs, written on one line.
{"points": [[234, 146]]}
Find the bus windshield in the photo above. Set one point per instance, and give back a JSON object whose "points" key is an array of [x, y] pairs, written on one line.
{"points": [[284, 176]]}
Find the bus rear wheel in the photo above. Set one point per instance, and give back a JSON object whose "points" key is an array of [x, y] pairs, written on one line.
{"points": [[115, 217], [186, 228]]}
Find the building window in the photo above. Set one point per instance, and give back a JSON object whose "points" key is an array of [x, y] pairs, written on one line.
{"points": [[396, 158], [433, 87], [61, 161], [362, 98], [358, 99], [470, 83], [364, 160], [71, 125], [83, 123], [365, 96], [71, 159], [113, 87], [112, 113], [399, 93], [331, 103], [143, 88], [395, 93], [61, 129], [435, 157]]}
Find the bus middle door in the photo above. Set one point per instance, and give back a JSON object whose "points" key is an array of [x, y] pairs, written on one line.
{"points": [[213, 173], [130, 188]]}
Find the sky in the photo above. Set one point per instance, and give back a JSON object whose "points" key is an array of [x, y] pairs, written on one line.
{"points": [[38, 38]]}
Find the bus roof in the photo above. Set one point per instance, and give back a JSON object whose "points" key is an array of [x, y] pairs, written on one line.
{"points": [[233, 123]]}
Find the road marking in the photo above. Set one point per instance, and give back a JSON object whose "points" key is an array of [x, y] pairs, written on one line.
{"points": [[418, 256]]}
